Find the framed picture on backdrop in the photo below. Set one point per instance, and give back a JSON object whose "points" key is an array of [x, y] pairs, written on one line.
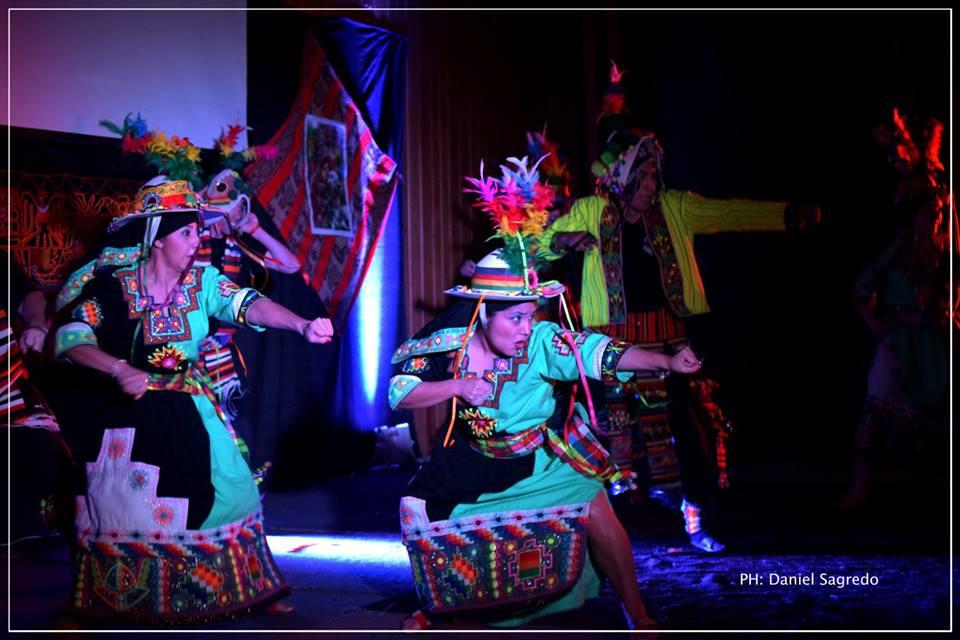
{"points": [[325, 176]]}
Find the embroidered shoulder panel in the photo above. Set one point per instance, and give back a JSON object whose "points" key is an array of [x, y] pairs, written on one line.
{"points": [[440, 341], [123, 256]]}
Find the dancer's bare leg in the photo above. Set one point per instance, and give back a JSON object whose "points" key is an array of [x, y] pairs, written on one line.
{"points": [[614, 555]]}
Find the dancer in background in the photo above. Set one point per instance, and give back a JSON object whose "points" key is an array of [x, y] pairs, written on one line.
{"points": [[39, 458], [640, 280], [903, 298]]}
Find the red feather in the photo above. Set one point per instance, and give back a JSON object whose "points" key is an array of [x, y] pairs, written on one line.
{"points": [[934, 135], [542, 197], [615, 74], [233, 132], [135, 145]]}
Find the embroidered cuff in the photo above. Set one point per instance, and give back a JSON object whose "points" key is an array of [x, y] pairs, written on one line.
{"points": [[242, 301], [71, 335], [400, 388], [595, 365], [610, 356]]}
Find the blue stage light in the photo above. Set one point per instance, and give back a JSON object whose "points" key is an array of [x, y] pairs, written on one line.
{"points": [[367, 548], [370, 319]]}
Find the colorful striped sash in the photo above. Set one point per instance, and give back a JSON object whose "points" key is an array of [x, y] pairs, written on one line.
{"points": [[578, 447]]}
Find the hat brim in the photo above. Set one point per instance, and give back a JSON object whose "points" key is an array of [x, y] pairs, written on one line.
{"points": [[206, 214], [463, 291]]}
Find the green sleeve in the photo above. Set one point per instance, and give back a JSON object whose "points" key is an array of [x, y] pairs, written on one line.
{"points": [[598, 353], [400, 387], [73, 334], [710, 215], [226, 300]]}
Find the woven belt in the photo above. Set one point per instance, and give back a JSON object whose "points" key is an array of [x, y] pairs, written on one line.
{"points": [[578, 447]]}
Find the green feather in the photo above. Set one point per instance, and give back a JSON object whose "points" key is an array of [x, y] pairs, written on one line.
{"points": [[234, 161], [112, 128]]}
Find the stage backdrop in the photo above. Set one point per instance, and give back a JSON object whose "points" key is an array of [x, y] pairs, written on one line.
{"points": [[341, 95], [332, 193], [333, 231]]}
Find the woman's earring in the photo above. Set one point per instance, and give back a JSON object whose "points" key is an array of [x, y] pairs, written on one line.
{"points": [[483, 315]]}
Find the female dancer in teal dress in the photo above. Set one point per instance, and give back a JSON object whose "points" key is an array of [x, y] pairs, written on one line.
{"points": [[499, 517], [169, 524]]}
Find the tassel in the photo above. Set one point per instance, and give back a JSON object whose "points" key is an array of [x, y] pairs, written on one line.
{"points": [[456, 368]]}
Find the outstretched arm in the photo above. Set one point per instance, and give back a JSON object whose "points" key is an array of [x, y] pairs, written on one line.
{"points": [[637, 359], [267, 313], [573, 231], [279, 257], [712, 215]]}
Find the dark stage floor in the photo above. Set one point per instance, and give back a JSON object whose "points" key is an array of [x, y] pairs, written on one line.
{"points": [[338, 544]]}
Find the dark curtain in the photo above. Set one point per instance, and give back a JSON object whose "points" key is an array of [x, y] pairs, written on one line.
{"points": [[746, 105], [305, 401]]}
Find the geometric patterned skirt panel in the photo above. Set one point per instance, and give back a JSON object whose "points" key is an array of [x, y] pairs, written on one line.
{"points": [[135, 557], [515, 559]]}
